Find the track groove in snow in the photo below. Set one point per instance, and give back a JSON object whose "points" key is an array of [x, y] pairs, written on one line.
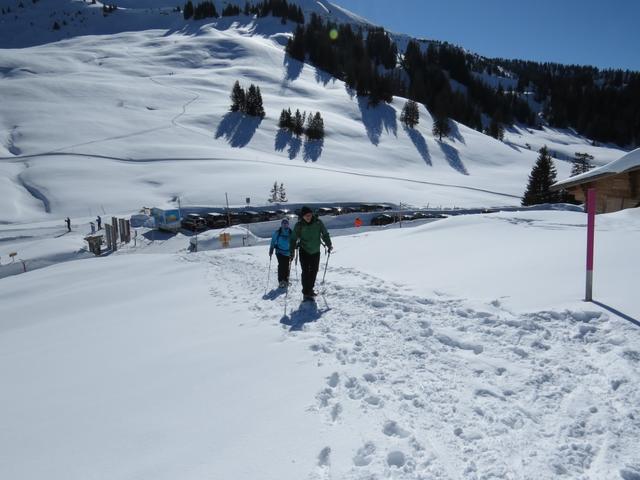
{"points": [[450, 391]]}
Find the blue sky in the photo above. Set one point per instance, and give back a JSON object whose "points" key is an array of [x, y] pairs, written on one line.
{"points": [[603, 33]]}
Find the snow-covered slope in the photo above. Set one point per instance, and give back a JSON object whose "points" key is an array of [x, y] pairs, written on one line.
{"points": [[108, 121], [479, 361]]}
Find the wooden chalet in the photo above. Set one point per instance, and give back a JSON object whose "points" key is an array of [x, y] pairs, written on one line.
{"points": [[617, 184]]}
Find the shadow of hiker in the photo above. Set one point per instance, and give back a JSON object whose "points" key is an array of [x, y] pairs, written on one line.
{"points": [[274, 294], [238, 128], [453, 157], [420, 144], [307, 313], [293, 68], [618, 313], [377, 118], [313, 150]]}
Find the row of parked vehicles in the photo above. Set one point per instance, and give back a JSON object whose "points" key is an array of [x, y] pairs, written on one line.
{"points": [[387, 219], [197, 222]]}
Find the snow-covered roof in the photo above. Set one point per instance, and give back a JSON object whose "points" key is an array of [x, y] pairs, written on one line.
{"points": [[624, 163]]}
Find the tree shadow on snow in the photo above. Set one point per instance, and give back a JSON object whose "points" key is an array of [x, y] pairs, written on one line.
{"points": [[307, 313], [454, 132], [285, 139], [293, 68], [313, 150], [377, 118], [238, 129], [453, 157], [420, 144], [324, 77]]}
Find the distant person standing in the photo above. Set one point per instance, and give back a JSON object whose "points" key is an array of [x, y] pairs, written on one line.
{"points": [[307, 235], [68, 222], [99, 222], [358, 222], [280, 244]]}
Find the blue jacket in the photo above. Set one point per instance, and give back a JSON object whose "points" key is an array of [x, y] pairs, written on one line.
{"points": [[280, 241]]}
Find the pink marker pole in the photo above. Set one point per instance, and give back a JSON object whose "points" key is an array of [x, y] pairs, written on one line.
{"points": [[591, 228]]}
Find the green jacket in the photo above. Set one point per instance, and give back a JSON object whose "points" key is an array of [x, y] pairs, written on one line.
{"points": [[308, 235]]}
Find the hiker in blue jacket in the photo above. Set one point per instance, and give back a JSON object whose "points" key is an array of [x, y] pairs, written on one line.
{"points": [[280, 244]]}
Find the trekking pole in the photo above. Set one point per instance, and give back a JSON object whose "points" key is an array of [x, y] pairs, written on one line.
{"points": [[286, 293], [325, 267], [268, 275]]}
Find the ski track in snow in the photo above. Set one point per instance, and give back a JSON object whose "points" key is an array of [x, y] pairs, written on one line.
{"points": [[456, 392]]}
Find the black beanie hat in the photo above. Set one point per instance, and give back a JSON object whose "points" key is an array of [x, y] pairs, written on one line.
{"points": [[304, 211]]}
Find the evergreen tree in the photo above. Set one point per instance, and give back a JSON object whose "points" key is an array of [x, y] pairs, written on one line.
{"points": [[315, 127], [410, 115], [273, 197], [238, 98], [496, 130], [581, 163], [441, 127], [542, 176], [298, 123], [282, 194], [259, 108], [285, 121]]}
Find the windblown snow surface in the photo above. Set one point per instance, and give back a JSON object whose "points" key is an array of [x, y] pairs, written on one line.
{"points": [[456, 349]]}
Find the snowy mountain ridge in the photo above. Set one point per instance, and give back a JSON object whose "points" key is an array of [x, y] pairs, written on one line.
{"points": [[142, 102]]}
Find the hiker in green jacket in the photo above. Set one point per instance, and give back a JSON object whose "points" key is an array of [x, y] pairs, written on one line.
{"points": [[307, 236]]}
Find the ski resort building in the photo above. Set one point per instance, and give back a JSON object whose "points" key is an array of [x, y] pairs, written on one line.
{"points": [[617, 184]]}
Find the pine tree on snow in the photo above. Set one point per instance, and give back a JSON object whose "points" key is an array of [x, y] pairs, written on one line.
{"points": [[542, 176], [581, 163], [441, 126], [238, 98], [282, 194], [410, 115], [274, 193]]}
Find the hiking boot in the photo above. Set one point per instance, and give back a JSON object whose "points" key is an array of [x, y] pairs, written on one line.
{"points": [[282, 285]]}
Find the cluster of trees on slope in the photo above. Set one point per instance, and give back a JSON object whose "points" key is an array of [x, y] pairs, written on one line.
{"points": [[295, 123], [248, 102], [601, 104], [276, 8], [369, 62]]}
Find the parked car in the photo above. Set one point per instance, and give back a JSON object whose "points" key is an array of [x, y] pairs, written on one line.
{"points": [[283, 212], [324, 211], [268, 215], [194, 222], [216, 220], [383, 219], [249, 216], [233, 218], [407, 217], [345, 210]]}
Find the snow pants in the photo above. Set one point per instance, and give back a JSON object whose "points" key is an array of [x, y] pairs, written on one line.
{"points": [[283, 268], [309, 263]]}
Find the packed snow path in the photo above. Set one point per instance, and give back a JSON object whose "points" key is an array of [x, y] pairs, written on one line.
{"points": [[431, 388]]}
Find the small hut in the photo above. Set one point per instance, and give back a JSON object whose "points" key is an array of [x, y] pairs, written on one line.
{"points": [[617, 184]]}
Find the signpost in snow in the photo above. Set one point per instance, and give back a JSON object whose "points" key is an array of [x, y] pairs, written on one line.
{"points": [[591, 227]]}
